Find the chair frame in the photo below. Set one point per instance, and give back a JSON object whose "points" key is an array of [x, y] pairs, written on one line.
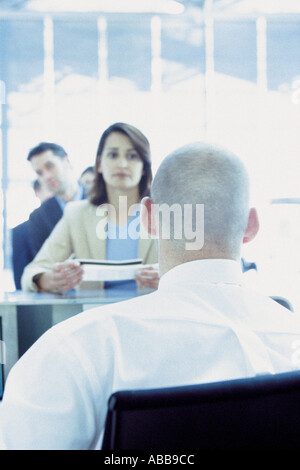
{"points": [[262, 412]]}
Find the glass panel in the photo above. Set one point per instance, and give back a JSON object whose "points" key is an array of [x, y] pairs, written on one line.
{"points": [[75, 48], [235, 49], [129, 57], [283, 39], [183, 104], [22, 65], [21, 55], [183, 50], [76, 102]]}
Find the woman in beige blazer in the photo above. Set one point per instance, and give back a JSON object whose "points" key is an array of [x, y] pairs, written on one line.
{"points": [[122, 178]]}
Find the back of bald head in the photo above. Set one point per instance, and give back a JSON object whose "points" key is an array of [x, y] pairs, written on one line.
{"points": [[203, 173]]}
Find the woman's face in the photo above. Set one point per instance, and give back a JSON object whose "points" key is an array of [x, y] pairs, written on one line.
{"points": [[120, 164]]}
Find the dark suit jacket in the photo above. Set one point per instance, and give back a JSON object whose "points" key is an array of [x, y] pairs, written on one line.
{"points": [[42, 221], [28, 237], [22, 251]]}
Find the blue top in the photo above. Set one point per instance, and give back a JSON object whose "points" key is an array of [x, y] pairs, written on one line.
{"points": [[122, 244]]}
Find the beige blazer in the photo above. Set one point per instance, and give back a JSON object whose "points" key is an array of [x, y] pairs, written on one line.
{"points": [[81, 233]]}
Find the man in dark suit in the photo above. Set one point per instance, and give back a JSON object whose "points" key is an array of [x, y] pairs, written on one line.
{"points": [[22, 250], [53, 167], [54, 170]]}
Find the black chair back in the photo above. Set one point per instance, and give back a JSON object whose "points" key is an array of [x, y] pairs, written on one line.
{"points": [[262, 412]]}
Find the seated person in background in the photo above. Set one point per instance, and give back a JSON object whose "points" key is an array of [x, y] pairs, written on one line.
{"points": [[22, 250], [101, 227], [54, 170], [201, 325], [87, 178]]}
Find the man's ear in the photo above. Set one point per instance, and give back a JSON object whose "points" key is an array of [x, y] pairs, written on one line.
{"points": [[252, 226], [148, 216]]}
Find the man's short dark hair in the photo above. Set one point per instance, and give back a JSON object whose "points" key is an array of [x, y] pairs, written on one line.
{"points": [[44, 146]]}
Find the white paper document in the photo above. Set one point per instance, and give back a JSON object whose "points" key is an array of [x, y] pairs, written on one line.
{"points": [[105, 270]]}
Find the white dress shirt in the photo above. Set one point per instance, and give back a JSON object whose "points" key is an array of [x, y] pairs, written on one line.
{"points": [[201, 325]]}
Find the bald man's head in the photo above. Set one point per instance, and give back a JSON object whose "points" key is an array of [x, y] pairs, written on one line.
{"points": [[204, 174]]}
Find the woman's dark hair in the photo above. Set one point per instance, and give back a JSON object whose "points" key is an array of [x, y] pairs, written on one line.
{"points": [[98, 194]]}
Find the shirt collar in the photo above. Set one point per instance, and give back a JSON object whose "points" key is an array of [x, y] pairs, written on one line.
{"points": [[78, 196], [207, 271]]}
